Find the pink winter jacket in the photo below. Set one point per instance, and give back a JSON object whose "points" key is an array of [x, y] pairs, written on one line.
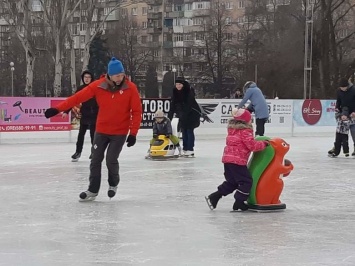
{"points": [[240, 143]]}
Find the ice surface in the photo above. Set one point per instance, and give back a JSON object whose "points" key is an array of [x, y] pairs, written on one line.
{"points": [[160, 216]]}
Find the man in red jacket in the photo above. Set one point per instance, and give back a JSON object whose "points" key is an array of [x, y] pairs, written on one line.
{"points": [[120, 114]]}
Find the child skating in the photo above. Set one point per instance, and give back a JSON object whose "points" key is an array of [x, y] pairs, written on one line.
{"points": [[162, 126], [240, 143], [342, 133]]}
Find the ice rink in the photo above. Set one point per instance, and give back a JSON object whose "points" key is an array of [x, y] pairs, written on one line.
{"points": [[159, 216]]}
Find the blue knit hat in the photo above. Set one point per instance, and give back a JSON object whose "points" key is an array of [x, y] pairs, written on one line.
{"points": [[115, 67]]}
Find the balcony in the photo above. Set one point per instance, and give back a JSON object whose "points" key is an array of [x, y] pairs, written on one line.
{"points": [[175, 14], [201, 12], [157, 15], [153, 44], [154, 30], [168, 44], [154, 2]]}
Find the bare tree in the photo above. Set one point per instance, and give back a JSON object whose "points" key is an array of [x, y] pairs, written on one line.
{"points": [[334, 35], [129, 46], [219, 45], [57, 15], [19, 16]]}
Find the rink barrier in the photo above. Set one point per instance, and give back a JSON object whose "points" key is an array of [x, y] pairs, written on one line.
{"points": [[22, 118]]}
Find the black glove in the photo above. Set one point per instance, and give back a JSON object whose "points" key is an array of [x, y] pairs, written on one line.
{"points": [[51, 112], [167, 135], [131, 140], [155, 136]]}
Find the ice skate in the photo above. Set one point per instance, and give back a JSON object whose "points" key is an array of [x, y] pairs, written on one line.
{"points": [[111, 191], [87, 196], [75, 157], [179, 149], [189, 154], [90, 157], [213, 199], [331, 151], [148, 156], [332, 155], [240, 205], [346, 154]]}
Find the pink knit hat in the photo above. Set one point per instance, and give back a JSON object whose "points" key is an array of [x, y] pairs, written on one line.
{"points": [[241, 115]]}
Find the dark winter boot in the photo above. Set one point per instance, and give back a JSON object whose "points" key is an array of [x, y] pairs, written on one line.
{"points": [[90, 157], [331, 151], [353, 154], [240, 205], [87, 196], [111, 192], [213, 199], [75, 157]]}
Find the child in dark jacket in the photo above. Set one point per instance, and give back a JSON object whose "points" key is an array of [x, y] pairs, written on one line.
{"points": [[240, 143], [342, 133], [162, 126], [87, 114]]}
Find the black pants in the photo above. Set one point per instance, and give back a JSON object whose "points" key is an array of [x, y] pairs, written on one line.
{"points": [[188, 139], [341, 140], [260, 126], [81, 136], [237, 178], [114, 144]]}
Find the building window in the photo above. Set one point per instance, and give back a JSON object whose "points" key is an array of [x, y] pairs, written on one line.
{"points": [[188, 6], [199, 36], [156, 53], [134, 11], [144, 24], [241, 4], [229, 5], [177, 7], [82, 26], [187, 51], [178, 37], [197, 21], [144, 39], [107, 10], [228, 21], [228, 36], [144, 10]]}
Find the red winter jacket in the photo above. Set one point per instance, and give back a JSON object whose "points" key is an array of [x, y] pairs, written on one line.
{"points": [[120, 110], [240, 143]]}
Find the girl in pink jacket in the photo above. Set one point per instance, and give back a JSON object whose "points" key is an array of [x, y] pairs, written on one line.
{"points": [[240, 143]]}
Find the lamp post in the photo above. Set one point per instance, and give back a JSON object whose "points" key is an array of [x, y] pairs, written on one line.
{"points": [[174, 71], [12, 68]]}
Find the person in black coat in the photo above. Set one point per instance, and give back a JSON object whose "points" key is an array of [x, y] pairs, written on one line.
{"points": [[346, 98], [184, 106], [88, 116]]}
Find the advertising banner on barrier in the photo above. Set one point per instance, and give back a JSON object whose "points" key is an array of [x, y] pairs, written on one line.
{"points": [[314, 112], [149, 107], [218, 111], [19, 114]]}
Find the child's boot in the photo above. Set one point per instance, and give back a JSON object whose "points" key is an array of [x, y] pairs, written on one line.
{"points": [[179, 149], [213, 199], [240, 205]]}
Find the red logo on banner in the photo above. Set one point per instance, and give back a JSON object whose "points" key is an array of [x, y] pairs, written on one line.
{"points": [[58, 117], [312, 111]]}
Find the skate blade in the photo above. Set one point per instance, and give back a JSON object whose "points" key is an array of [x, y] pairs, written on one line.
{"points": [[209, 203], [75, 160], [87, 199]]}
